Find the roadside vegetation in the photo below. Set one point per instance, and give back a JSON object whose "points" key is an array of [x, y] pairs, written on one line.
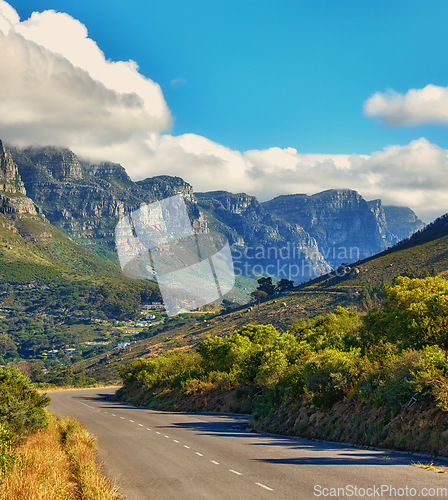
{"points": [[379, 378], [41, 456]]}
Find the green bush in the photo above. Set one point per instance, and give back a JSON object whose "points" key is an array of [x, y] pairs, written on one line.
{"points": [[414, 314], [6, 450], [430, 375], [331, 375], [22, 408], [385, 358]]}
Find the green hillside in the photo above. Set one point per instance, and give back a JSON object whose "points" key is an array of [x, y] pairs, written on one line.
{"points": [[56, 296], [31, 249]]}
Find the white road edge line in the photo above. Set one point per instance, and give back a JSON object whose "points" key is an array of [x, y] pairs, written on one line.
{"points": [[235, 472], [264, 486], [214, 462]]}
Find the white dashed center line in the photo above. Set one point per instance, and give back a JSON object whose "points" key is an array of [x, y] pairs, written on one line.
{"points": [[88, 406], [261, 485], [264, 486], [235, 472]]}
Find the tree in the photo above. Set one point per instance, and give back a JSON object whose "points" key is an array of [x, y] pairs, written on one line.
{"points": [[21, 406], [284, 285], [258, 296], [415, 314], [266, 285]]}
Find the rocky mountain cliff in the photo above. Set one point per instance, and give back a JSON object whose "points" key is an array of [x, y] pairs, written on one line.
{"points": [[295, 236], [345, 226], [13, 199], [86, 201], [261, 244]]}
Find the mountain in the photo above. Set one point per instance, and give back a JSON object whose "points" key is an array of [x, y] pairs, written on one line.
{"points": [[261, 244], [86, 201], [346, 227], [296, 237]]}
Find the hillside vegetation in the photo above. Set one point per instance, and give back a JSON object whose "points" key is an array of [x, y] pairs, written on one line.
{"points": [[343, 376], [424, 254]]}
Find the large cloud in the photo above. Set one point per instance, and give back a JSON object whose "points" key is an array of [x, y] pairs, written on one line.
{"points": [[56, 86], [428, 105]]}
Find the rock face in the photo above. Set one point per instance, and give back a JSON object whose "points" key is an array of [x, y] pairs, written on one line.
{"points": [[86, 201], [345, 226], [13, 199], [10, 181], [402, 222], [261, 244], [296, 237]]}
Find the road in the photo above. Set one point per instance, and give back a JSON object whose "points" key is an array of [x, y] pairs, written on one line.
{"points": [[177, 456]]}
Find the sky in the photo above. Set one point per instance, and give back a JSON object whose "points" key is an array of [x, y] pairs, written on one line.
{"points": [[262, 97]]}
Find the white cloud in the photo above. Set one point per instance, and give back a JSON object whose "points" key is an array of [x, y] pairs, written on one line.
{"points": [[56, 86], [177, 83], [414, 175], [428, 105]]}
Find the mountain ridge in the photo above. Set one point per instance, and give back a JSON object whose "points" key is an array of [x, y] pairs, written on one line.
{"points": [[325, 229]]}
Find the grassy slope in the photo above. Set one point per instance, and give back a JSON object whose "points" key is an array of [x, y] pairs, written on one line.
{"points": [[317, 297], [30, 247]]}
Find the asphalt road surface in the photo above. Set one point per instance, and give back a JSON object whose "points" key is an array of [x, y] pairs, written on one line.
{"points": [[177, 456]]}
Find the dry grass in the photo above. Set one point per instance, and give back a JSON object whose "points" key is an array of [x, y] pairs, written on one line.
{"points": [[58, 463], [41, 470], [80, 447], [43, 388], [429, 466]]}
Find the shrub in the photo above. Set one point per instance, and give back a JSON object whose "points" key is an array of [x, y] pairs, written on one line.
{"points": [[415, 314], [21, 406], [6, 451], [430, 375], [330, 375]]}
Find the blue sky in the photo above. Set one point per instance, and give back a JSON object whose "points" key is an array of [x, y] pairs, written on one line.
{"points": [[255, 75]]}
